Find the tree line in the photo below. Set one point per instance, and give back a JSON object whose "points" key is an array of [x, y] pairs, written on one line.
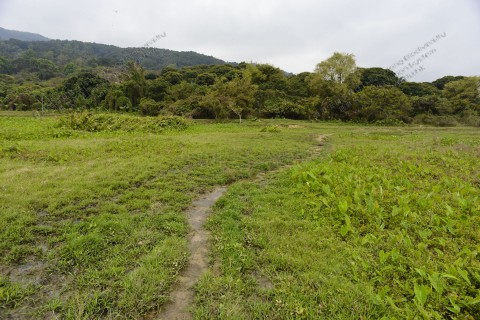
{"points": [[336, 90]]}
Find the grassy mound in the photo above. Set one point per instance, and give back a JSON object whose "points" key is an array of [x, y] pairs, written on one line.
{"points": [[113, 122]]}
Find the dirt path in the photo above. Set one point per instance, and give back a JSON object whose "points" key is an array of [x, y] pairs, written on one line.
{"points": [[182, 297]]}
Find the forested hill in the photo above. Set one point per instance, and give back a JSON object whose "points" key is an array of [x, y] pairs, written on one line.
{"points": [[63, 52], [6, 34]]}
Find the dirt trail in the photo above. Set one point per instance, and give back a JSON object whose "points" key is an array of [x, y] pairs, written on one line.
{"points": [[182, 297], [183, 294]]}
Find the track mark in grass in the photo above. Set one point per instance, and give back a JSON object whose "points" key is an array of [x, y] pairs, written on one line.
{"points": [[182, 296], [262, 281], [321, 140]]}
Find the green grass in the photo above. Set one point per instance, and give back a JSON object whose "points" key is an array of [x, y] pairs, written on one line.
{"points": [[92, 223], [384, 224]]}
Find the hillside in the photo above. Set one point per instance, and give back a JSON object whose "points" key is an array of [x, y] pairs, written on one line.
{"points": [[6, 34], [62, 52]]}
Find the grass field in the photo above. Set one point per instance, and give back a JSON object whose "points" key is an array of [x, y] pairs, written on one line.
{"points": [[92, 224], [383, 225], [383, 222]]}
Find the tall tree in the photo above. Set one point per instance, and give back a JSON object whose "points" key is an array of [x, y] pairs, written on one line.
{"points": [[464, 94], [134, 84], [377, 77], [419, 89], [380, 103], [84, 90], [337, 68], [237, 96], [241, 95], [334, 80], [441, 82]]}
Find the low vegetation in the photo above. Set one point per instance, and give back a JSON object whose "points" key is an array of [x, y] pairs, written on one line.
{"points": [[92, 223], [114, 122], [379, 222], [383, 225]]}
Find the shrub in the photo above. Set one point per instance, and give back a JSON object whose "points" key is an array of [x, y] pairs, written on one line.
{"points": [[112, 122], [438, 121], [149, 107]]}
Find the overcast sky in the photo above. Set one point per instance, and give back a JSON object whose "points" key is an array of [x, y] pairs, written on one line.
{"points": [[293, 35]]}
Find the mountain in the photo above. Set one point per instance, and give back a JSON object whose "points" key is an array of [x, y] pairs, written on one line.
{"points": [[84, 54], [6, 34]]}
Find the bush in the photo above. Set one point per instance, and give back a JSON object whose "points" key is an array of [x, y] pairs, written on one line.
{"points": [[124, 104], [149, 107], [437, 121], [470, 118], [112, 122]]}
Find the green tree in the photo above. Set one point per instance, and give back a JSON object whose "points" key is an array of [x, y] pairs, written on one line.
{"points": [[180, 91], [266, 76], [297, 85], [84, 90], [45, 69], [333, 81], [123, 104], [464, 94], [157, 89], [22, 97], [381, 103], [172, 77], [206, 79], [5, 65], [6, 82], [70, 68], [151, 76], [241, 96], [431, 104], [338, 68], [338, 102], [236, 96], [441, 82], [266, 102], [149, 107], [134, 83], [377, 77], [215, 102], [116, 101], [415, 89]]}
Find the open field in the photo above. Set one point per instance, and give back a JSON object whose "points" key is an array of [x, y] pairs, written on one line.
{"points": [[92, 224], [383, 225], [380, 222]]}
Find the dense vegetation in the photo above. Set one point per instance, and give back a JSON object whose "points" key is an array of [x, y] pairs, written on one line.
{"points": [[63, 57], [71, 75]]}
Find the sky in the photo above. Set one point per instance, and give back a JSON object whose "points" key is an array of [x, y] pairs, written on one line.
{"points": [[292, 35]]}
